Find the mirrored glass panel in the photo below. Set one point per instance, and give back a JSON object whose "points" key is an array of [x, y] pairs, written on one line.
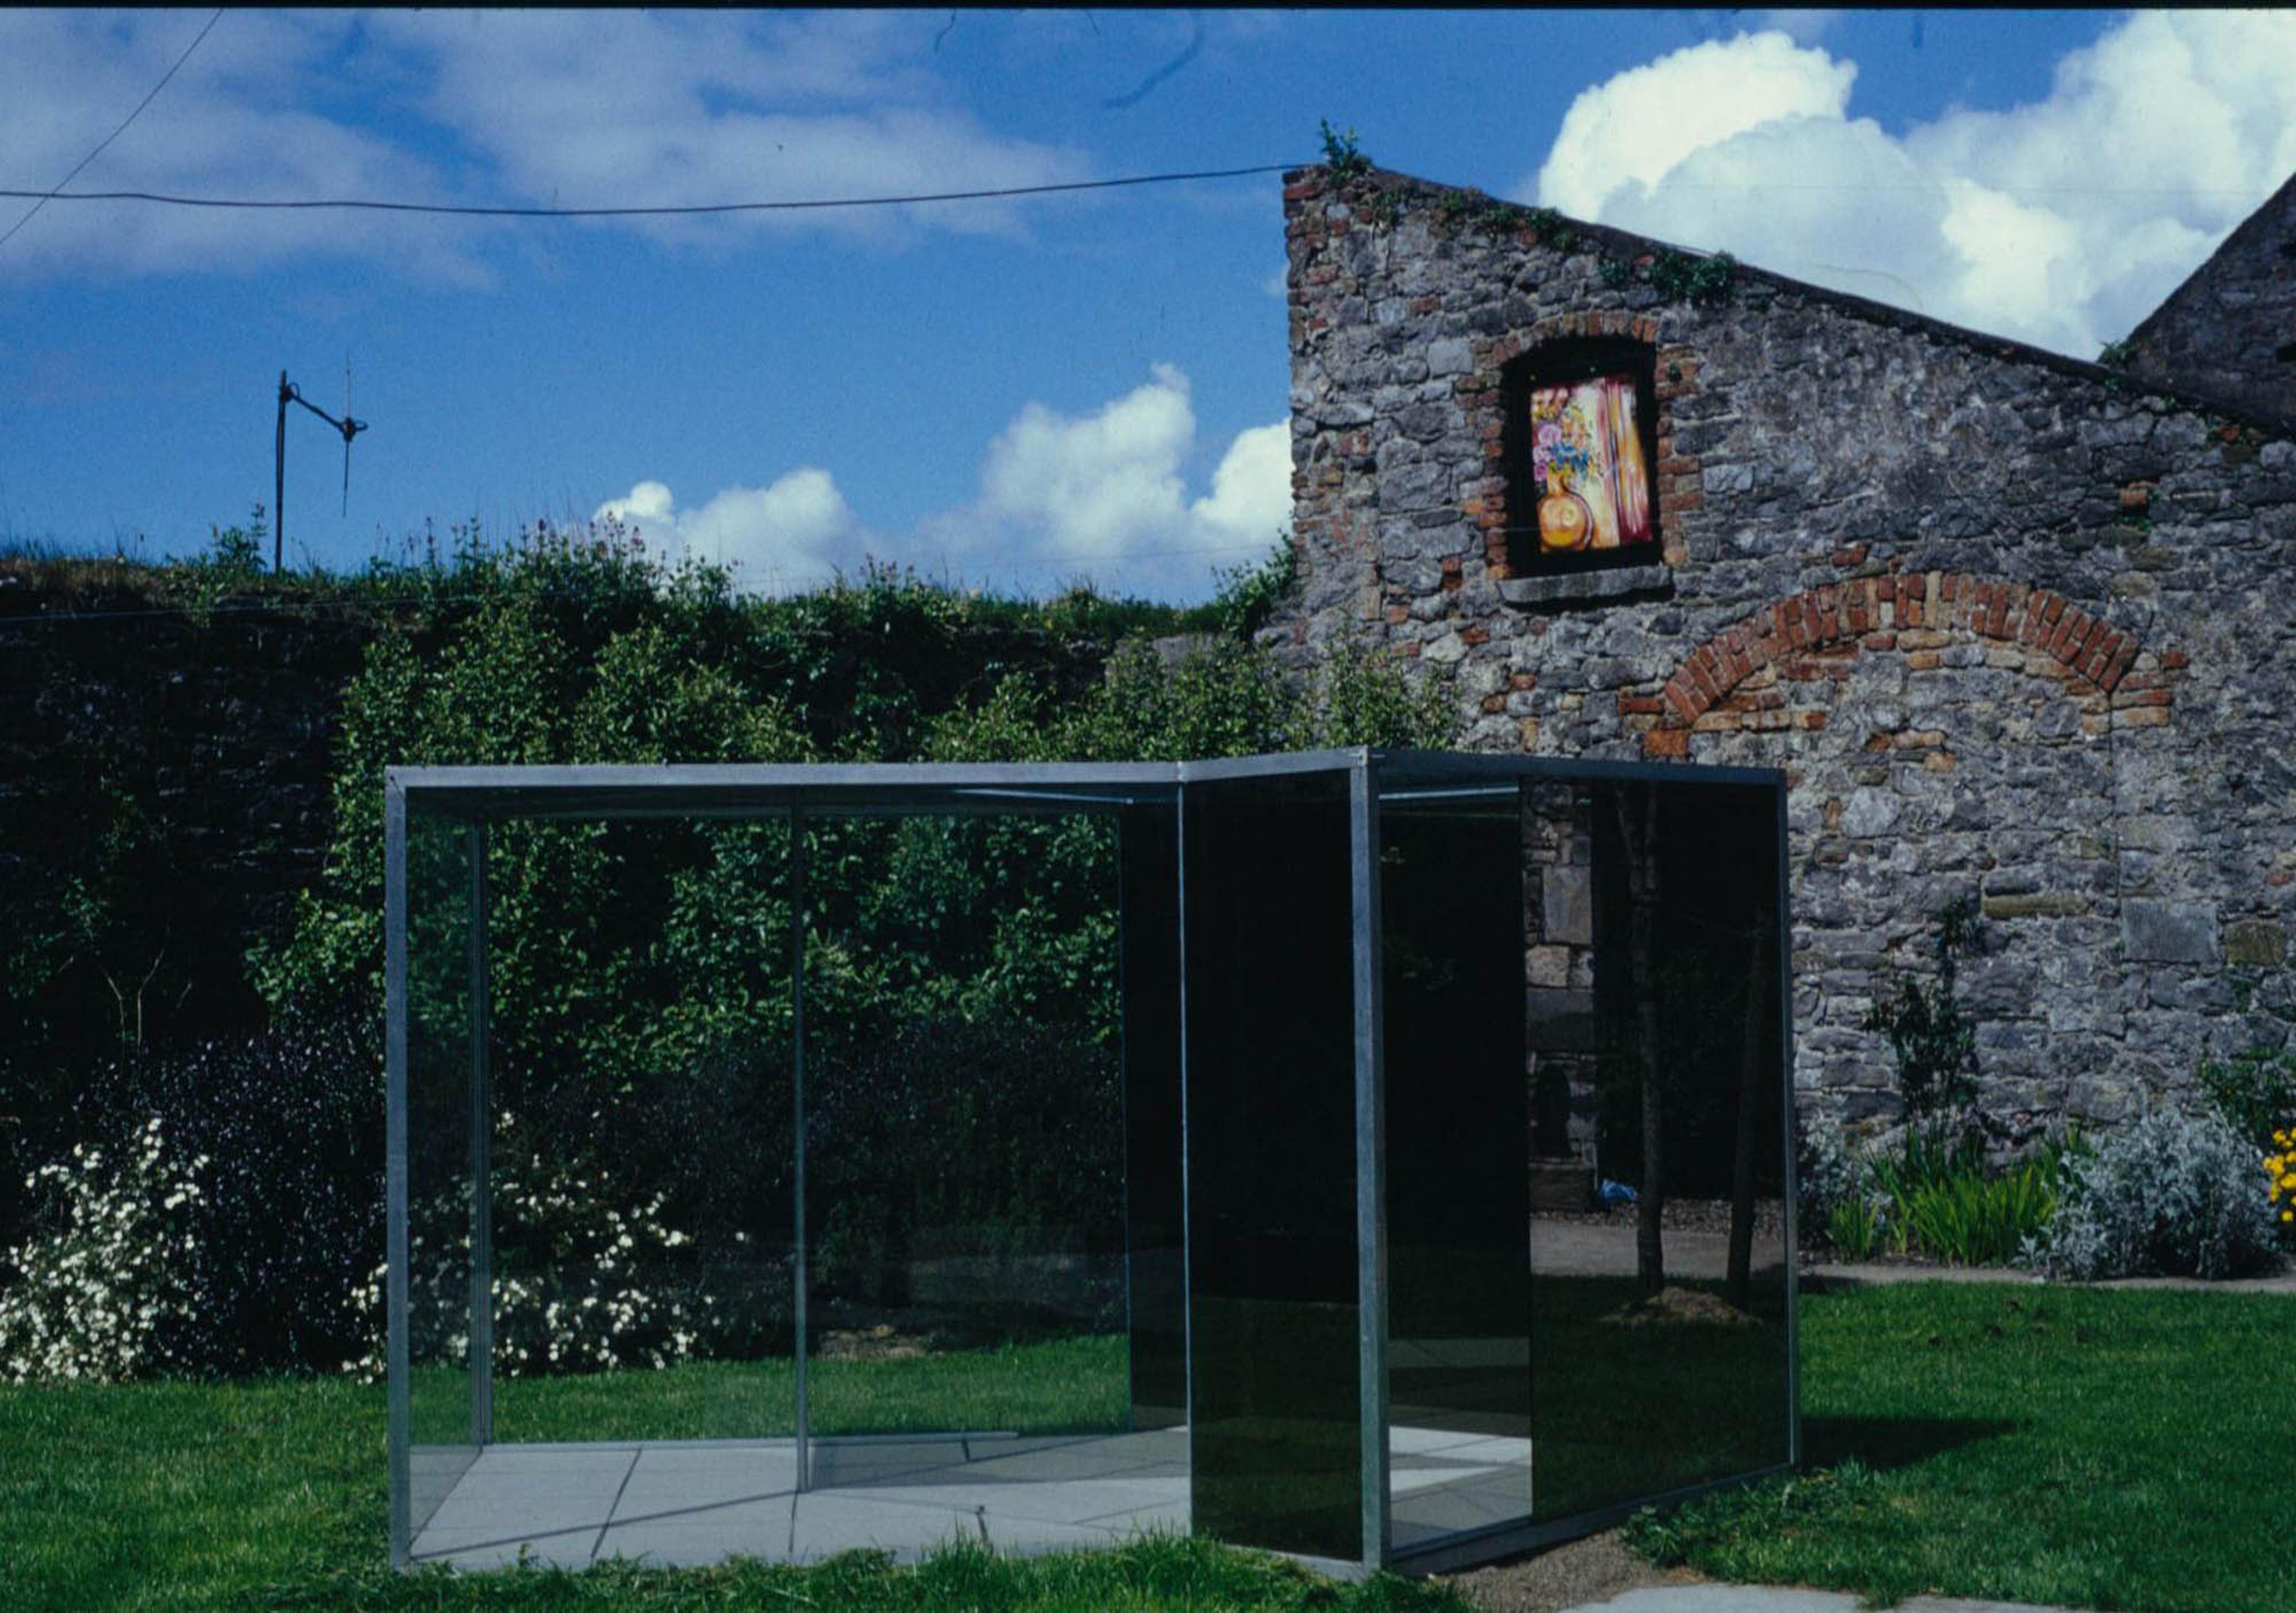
{"points": [[1275, 1413], [1660, 1334], [1149, 853], [1458, 1155]]}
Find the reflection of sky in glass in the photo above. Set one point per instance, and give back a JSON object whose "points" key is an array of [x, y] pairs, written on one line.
{"points": [[1586, 442]]}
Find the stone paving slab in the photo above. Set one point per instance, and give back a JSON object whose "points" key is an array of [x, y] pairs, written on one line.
{"points": [[676, 1503]]}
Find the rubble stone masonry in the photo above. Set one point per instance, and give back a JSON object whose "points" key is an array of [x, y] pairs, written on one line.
{"points": [[2016, 626]]}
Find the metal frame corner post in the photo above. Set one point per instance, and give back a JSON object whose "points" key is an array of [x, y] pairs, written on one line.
{"points": [[1788, 1124], [1370, 1160], [395, 1162], [800, 1277], [482, 1204], [1187, 1207]]}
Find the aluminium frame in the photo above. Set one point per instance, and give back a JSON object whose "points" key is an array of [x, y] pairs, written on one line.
{"points": [[481, 796]]}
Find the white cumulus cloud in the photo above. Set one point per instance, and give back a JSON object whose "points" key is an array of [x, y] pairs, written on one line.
{"points": [[1638, 126], [796, 533], [1103, 497], [2063, 221]]}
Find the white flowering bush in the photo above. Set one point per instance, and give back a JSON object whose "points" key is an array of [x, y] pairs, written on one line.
{"points": [[2173, 1194], [112, 1289], [583, 1279]]}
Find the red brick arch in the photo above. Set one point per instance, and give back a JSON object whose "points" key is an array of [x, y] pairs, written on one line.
{"points": [[1874, 610]]}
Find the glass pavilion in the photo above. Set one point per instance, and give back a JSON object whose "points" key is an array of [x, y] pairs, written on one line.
{"points": [[1321, 1243]]}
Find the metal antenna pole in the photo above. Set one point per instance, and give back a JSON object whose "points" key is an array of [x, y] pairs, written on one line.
{"points": [[346, 435], [279, 477], [349, 428]]}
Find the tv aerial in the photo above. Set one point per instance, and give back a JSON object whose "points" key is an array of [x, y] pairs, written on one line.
{"points": [[289, 392]]}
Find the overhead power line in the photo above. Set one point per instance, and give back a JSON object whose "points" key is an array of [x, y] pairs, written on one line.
{"points": [[46, 197], [367, 205]]}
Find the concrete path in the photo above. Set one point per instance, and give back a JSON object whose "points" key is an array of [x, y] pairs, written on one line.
{"points": [[1762, 1599]]}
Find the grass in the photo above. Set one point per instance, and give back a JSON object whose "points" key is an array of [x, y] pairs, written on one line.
{"points": [[1067, 1384], [270, 1493], [2084, 1447]]}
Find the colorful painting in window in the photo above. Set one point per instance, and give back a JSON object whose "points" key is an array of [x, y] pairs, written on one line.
{"points": [[1586, 454]]}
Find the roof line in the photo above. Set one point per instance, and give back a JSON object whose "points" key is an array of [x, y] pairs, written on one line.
{"points": [[1884, 314], [2253, 224]]}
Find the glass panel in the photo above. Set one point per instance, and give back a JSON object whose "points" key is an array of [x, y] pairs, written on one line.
{"points": [[642, 1173], [1452, 908], [1154, 1209], [1276, 1409], [1660, 1330], [440, 1437], [965, 1146]]}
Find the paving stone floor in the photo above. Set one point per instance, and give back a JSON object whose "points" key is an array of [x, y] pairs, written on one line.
{"points": [[683, 1503]]}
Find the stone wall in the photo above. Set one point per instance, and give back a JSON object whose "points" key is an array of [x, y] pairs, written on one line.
{"points": [[2016, 627], [2230, 328]]}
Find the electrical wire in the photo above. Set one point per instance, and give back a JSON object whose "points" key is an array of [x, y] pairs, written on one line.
{"points": [[358, 204], [817, 204], [46, 197]]}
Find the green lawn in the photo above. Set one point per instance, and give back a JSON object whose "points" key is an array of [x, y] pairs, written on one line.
{"points": [[271, 1493], [2086, 1447]]}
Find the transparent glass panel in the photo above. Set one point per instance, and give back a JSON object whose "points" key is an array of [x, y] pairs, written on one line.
{"points": [[966, 1146], [1660, 1334], [1452, 914], [1276, 1411], [642, 1130], [1156, 1233], [442, 1442]]}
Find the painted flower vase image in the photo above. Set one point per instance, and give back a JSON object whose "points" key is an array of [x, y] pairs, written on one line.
{"points": [[1560, 457]]}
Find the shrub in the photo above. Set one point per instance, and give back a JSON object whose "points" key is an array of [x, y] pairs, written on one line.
{"points": [[1937, 1197], [2255, 1091], [1932, 1040], [1825, 1174], [112, 1289], [291, 1213], [1855, 1227], [2280, 1170], [2171, 1195], [1836, 1195], [1970, 1217], [586, 1278]]}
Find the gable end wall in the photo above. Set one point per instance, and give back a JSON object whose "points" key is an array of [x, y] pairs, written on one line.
{"points": [[2016, 629]]}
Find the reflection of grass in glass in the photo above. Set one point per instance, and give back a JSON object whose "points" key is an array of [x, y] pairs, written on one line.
{"points": [[1617, 1411], [1621, 1411], [1277, 1454], [1070, 1384]]}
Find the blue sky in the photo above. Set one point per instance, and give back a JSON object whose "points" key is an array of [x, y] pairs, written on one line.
{"points": [[1008, 393]]}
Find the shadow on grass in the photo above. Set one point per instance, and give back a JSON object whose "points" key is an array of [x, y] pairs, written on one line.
{"points": [[1883, 1443]]}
